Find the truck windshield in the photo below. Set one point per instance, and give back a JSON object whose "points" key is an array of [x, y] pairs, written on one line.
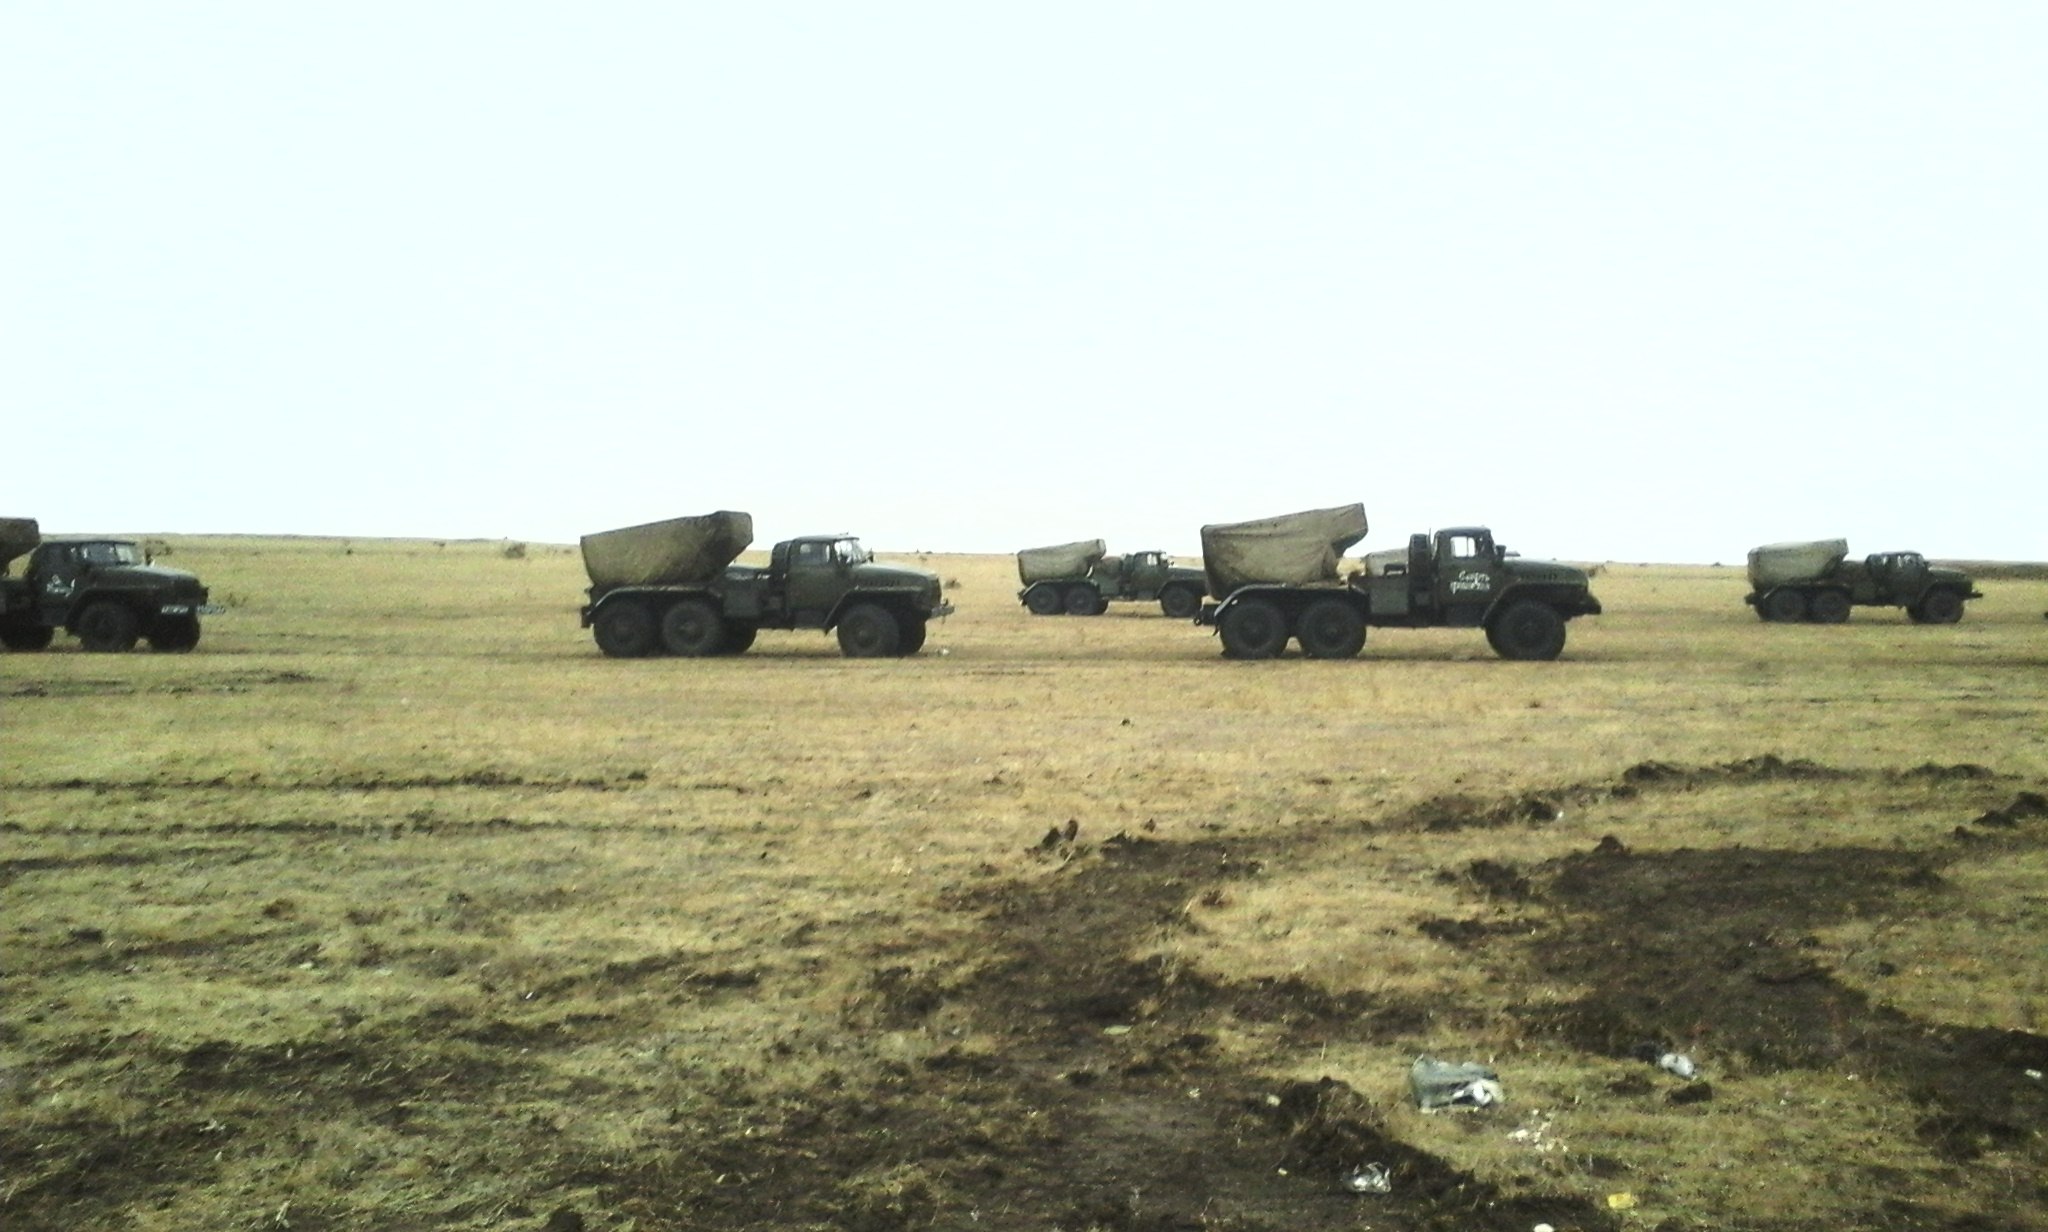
{"points": [[850, 551], [110, 553]]}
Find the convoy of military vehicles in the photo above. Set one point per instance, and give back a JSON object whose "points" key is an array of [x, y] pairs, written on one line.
{"points": [[105, 591], [675, 588]]}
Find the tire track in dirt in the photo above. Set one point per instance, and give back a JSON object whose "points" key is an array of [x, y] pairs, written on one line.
{"points": [[252, 782]]}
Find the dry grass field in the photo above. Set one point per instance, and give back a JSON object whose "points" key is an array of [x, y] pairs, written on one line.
{"points": [[395, 906]]}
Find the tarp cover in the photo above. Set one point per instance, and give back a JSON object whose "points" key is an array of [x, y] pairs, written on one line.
{"points": [[1777, 563], [680, 551], [18, 537], [1063, 560], [1294, 549]]}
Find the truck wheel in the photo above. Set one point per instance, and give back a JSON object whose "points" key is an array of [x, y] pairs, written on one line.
{"points": [[1044, 601], [1330, 629], [1527, 630], [107, 627], [174, 634], [912, 640], [1828, 607], [1083, 601], [1180, 602], [625, 631], [1784, 606], [1938, 607], [1253, 629], [868, 631], [693, 629], [738, 637], [26, 636]]}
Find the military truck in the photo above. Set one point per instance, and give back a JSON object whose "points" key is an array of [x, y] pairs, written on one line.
{"points": [[672, 587], [1279, 578], [1814, 580], [1081, 579], [106, 591]]}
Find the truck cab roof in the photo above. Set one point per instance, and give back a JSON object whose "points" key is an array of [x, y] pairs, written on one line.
{"points": [[847, 549], [104, 551]]}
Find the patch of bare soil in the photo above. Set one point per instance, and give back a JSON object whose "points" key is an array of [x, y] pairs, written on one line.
{"points": [[1100, 1104], [1155, 1132], [1720, 943]]}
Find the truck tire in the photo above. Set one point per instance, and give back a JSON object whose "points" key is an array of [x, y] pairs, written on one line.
{"points": [[1527, 630], [1828, 607], [1084, 601], [869, 631], [912, 641], [693, 629], [738, 637], [1330, 629], [1937, 607], [626, 630], [1044, 600], [108, 627], [26, 636], [1180, 602], [174, 634], [1784, 605], [1253, 629]]}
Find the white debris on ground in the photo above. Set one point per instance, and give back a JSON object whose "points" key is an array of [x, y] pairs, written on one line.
{"points": [[1535, 1133]]}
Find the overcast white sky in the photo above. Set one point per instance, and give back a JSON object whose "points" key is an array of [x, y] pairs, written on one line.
{"points": [[1626, 281]]}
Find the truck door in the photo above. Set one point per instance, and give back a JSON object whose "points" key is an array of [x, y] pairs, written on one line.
{"points": [[815, 581], [58, 572], [1143, 572], [1467, 575], [1905, 579]]}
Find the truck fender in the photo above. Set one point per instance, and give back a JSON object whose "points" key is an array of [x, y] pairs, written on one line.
{"points": [[656, 598], [1506, 599], [84, 599], [1568, 602], [902, 603], [1044, 598], [1291, 600]]}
